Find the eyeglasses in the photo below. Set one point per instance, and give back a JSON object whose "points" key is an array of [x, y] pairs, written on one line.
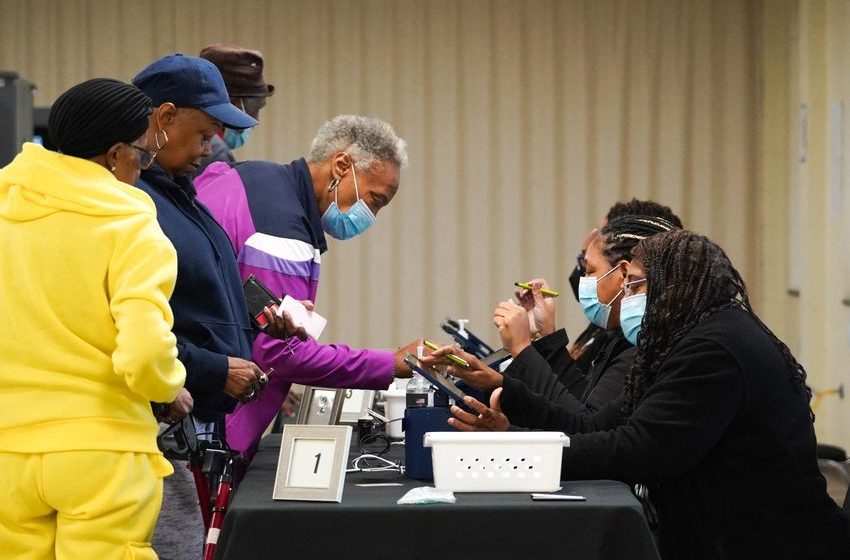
{"points": [[582, 263], [630, 288], [146, 156]]}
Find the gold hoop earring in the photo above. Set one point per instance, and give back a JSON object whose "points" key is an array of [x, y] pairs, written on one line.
{"points": [[156, 139], [334, 184]]}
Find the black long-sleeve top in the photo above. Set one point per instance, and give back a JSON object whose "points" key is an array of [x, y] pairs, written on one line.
{"points": [[725, 441], [545, 367]]}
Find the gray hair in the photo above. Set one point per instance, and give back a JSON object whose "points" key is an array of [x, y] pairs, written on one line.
{"points": [[366, 139]]}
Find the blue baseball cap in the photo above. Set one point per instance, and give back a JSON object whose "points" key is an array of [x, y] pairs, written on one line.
{"points": [[190, 81]]}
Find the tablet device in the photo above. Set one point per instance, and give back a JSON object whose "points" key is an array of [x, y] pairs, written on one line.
{"points": [[493, 360], [258, 296], [468, 341], [443, 384]]}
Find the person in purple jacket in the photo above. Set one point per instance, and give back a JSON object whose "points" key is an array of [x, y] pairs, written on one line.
{"points": [[276, 217]]}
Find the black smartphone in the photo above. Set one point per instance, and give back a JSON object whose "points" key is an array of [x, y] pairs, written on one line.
{"points": [[438, 380], [258, 296]]}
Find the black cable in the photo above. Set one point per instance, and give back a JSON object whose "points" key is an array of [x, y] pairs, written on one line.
{"points": [[372, 438]]}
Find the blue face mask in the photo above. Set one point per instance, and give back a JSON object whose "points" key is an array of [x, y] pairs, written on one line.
{"points": [[235, 138], [632, 309], [346, 225], [595, 311]]}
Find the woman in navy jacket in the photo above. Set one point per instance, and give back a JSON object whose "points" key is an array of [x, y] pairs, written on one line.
{"points": [[714, 417], [211, 320]]}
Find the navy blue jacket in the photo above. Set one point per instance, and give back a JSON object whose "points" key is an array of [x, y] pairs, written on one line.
{"points": [[211, 319]]}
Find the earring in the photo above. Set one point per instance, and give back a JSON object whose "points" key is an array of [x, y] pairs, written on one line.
{"points": [[156, 139], [333, 184], [112, 168]]}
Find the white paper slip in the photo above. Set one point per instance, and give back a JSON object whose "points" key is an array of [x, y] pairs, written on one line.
{"points": [[555, 497], [312, 322]]}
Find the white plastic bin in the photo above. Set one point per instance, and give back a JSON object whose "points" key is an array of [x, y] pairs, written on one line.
{"points": [[497, 461]]}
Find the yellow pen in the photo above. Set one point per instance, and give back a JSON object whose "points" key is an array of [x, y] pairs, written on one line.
{"points": [[544, 291], [456, 359]]}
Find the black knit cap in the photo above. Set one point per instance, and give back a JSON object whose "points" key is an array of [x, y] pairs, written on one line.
{"points": [[93, 116]]}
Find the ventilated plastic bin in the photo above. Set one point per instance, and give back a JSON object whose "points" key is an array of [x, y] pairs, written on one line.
{"points": [[497, 461]]}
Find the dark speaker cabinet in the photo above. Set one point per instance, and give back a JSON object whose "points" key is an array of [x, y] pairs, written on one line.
{"points": [[16, 115]]}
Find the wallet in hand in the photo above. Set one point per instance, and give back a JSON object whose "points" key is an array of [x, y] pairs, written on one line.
{"points": [[258, 296]]}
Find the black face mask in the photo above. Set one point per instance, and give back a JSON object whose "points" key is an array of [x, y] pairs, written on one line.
{"points": [[577, 273]]}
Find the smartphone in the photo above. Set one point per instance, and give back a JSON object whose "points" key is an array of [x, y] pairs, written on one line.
{"points": [[258, 296], [443, 384]]}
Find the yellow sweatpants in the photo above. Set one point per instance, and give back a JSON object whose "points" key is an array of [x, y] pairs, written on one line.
{"points": [[99, 505]]}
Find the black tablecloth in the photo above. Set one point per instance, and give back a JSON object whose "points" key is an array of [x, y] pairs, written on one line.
{"points": [[368, 524]]}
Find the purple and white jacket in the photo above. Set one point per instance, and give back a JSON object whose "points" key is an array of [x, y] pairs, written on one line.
{"points": [[271, 216]]}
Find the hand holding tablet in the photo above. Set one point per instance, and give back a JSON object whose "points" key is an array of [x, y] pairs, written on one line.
{"points": [[442, 383]]}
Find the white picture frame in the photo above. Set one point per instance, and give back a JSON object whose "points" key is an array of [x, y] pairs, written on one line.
{"points": [[356, 405], [320, 406], [311, 464]]}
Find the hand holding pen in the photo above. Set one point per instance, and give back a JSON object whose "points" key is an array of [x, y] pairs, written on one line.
{"points": [[452, 357], [540, 306], [477, 374], [537, 283]]}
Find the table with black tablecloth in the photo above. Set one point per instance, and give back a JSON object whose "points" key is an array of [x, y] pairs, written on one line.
{"points": [[368, 524]]}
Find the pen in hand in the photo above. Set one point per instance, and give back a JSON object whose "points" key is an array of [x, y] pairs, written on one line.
{"points": [[456, 359], [544, 291]]}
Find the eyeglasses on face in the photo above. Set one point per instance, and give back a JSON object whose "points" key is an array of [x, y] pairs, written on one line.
{"points": [[146, 156], [631, 288], [582, 262]]}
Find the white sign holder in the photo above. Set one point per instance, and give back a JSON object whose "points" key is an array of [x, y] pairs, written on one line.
{"points": [[311, 465]]}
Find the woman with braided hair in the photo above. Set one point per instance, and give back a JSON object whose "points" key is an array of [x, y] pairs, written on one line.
{"points": [[85, 334], [535, 367], [585, 346], [715, 416]]}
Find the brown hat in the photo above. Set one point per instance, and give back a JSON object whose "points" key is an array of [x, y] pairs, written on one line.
{"points": [[242, 70]]}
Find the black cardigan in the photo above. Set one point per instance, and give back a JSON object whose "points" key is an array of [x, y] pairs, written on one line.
{"points": [[725, 441]]}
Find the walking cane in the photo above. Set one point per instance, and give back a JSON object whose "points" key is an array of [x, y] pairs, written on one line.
{"points": [[196, 465], [225, 487]]}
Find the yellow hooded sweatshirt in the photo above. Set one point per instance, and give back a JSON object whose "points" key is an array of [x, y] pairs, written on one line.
{"points": [[85, 325]]}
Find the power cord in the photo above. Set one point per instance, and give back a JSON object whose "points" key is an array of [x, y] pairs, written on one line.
{"points": [[374, 438], [372, 443], [372, 463], [372, 431]]}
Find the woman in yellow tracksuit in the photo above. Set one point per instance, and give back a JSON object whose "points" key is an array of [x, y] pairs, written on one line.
{"points": [[85, 335]]}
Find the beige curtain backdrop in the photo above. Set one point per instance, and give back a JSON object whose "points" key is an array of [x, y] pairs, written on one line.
{"points": [[806, 211], [525, 121]]}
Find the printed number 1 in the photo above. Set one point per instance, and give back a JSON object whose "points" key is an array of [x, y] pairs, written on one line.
{"points": [[318, 458]]}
